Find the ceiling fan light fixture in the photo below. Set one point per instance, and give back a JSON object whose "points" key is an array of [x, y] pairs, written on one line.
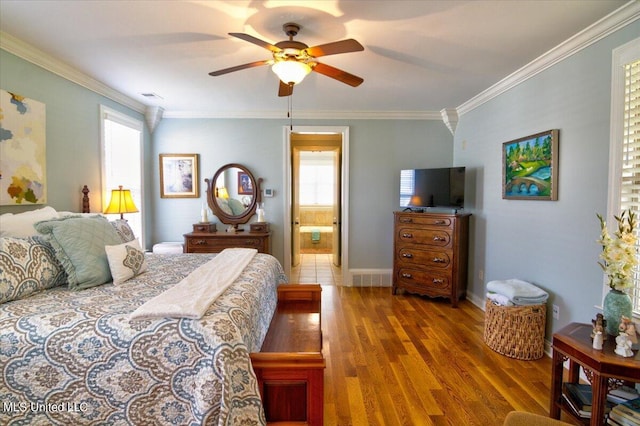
{"points": [[291, 71]]}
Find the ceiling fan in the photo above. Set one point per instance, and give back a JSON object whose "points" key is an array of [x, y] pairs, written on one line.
{"points": [[293, 60]]}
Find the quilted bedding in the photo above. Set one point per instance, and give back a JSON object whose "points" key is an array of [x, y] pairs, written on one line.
{"points": [[75, 357]]}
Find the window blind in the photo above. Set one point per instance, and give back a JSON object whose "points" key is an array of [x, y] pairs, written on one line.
{"points": [[630, 176]]}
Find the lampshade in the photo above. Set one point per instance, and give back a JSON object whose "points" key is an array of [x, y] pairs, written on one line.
{"points": [[291, 71], [415, 201], [121, 202], [222, 193]]}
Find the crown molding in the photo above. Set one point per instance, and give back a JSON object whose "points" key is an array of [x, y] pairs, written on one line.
{"points": [[316, 115], [51, 64], [617, 19]]}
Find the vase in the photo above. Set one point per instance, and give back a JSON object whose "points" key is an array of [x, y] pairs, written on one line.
{"points": [[616, 304]]}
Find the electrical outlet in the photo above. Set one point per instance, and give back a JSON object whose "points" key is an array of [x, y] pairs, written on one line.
{"points": [[556, 312]]}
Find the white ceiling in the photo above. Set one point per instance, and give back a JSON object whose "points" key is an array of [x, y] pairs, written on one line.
{"points": [[420, 56]]}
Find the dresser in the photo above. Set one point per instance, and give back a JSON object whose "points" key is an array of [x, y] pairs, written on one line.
{"points": [[430, 254], [215, 242]]}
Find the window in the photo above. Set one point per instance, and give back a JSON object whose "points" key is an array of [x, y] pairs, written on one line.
{"points": [[122, 162], [624, 177], [407, 189], [316, 178]]}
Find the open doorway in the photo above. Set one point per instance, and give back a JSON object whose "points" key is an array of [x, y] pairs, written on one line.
{"points": [[317, 202]]}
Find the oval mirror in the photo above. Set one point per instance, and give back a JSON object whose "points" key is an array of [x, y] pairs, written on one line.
{"points": [[233, 194]]}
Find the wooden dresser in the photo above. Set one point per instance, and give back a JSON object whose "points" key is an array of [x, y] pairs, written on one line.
{"points": [[215, 242], [430, 254]]}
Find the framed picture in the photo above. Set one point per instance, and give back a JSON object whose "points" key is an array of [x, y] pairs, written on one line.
{"points": [[530, 167], [244, 184], [179, 176]]}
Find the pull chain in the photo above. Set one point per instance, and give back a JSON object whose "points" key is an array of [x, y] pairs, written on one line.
{"points": [[290, 105]]}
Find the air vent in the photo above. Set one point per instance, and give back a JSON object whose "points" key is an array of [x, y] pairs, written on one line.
{"points": [[151, 96], [371, 277]]}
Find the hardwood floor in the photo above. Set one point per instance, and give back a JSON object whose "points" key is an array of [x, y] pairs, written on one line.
{"points": [[410, 360]]}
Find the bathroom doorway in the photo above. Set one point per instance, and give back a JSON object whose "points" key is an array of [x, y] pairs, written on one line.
{"points": [[317, 199]]}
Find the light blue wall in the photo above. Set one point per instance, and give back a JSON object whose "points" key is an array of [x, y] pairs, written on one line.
{"points": [[379, 149], [550, 243], [73, 132]]}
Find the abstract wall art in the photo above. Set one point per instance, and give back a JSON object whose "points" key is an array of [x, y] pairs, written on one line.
{"points": [[23, 157]]}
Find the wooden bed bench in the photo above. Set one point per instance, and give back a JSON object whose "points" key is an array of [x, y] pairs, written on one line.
{"points": [[290, 365]]}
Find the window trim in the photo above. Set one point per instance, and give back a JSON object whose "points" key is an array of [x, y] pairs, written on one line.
{"points": [[622, 55]]}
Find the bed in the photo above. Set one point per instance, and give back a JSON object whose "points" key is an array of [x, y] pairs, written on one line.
{"points": [[72, 355]]}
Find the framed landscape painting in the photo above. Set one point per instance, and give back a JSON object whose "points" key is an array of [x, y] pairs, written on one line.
{"points": [[530, 167], [179, 176]]}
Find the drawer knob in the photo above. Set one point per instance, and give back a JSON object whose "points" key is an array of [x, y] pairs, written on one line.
{"points": [[407, 235], [406, 220], [200, 242], [438, 260], [440, 222], [405, 275], [439, 239], [437, 281], [407, 255]]}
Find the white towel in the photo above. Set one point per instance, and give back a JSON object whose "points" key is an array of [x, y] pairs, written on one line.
{"points": [[518, 291], [499, 299], [192, 296]]}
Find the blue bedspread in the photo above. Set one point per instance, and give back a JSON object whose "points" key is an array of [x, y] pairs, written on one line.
{"points": [[75, 357]]}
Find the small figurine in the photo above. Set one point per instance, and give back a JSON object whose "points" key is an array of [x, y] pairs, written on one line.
{"points": [[597, 341], [623, 345], [599, 325], [628, 326]]}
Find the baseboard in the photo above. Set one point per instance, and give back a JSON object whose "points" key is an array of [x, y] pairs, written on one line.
{"points": [[370, 277]]}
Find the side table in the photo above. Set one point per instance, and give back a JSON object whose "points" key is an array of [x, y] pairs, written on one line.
{"points": [[604, 369]]}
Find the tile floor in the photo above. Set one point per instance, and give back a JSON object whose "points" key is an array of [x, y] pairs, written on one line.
{"points": [[316, 268]]}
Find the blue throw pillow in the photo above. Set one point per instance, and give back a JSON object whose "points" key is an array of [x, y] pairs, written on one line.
{"points": [[79, 244]]}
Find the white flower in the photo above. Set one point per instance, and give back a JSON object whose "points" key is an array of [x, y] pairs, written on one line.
{"points": [[619, 259]]}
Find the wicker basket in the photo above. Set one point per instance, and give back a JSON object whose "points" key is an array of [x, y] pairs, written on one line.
{"points": [[515, 331]]}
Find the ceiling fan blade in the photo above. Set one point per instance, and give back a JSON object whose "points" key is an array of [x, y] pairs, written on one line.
{"points": [[241, 67], [338, 74], [343, 46], [285, 89], [254, 40]]}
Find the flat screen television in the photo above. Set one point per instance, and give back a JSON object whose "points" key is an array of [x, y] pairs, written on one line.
{"points": [[424, 188]]}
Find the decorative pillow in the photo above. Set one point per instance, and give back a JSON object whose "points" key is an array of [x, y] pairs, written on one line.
{"points": [[236, 206], [27, 265], [21, 225], [79, 246], [224, 206], [124, 230], [125, 261]]}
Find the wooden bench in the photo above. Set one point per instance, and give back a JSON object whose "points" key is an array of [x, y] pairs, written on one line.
{"points": [[290, 365]]}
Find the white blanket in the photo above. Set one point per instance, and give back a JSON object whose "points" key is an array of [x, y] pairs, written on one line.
{"points": [[518, 291], [192, 296]]}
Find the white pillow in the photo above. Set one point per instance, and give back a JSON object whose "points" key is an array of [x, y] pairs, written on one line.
{"points": [[20, 225], [125, 261]]}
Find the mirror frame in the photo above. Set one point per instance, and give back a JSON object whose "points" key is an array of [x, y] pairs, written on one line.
{"points": [[251, 209]]}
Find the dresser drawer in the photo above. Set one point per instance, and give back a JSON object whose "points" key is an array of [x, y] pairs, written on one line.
{"points": [[215, 245], [419, 280], [410, 256], [424, 236], [424, 220]]}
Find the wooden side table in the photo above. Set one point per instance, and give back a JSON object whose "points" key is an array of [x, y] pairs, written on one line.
{"points": [[604, 369]]}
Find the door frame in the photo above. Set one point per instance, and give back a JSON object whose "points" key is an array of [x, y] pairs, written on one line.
{"points": [[344, 219]]}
